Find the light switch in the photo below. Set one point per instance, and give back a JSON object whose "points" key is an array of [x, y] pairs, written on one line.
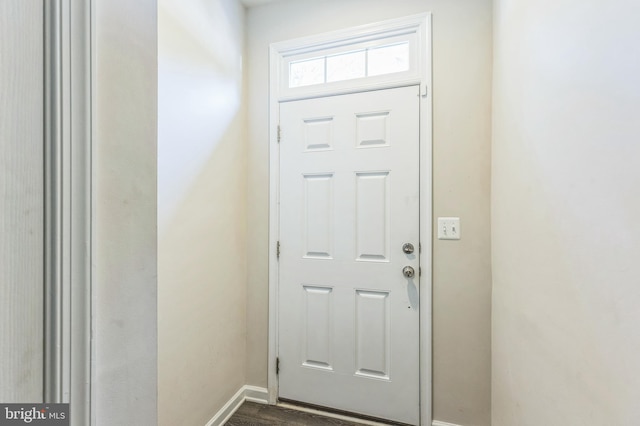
{"points": [[448, 228]]}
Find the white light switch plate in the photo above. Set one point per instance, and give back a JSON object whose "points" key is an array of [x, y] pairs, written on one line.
{"points": [[448, 228]]}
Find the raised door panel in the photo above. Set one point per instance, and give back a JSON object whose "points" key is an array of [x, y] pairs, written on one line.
{"points": [[372, 334], [372, 216], [318, 216], [318, 326]]}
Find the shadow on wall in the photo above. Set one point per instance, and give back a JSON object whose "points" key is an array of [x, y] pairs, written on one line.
{"points": [[199, 92]]}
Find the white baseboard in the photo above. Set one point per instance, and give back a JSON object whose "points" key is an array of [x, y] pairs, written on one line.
{"points": [[256, 394], [439, 423], [246, 393]]}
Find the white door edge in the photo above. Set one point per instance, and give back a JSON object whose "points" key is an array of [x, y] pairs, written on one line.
{"points": [[276, 95]]}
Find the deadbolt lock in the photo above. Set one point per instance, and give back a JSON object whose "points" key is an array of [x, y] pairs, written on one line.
{"points": [[408, 248]]}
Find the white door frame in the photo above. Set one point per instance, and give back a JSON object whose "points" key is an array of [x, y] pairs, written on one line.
{"points": [[420, 27], [67, 251]]}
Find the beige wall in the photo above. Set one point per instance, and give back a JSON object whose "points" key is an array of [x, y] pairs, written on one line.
{"points": [[124, 271], [566, 185], [201, 209], [462, 111]]}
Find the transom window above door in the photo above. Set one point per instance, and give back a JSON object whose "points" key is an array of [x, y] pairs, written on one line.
{"points": [[377, 56], [361, 63]]}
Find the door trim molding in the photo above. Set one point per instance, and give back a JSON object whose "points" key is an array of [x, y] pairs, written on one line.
{"points": [[53, 197], [277, 51], [67, 147]]}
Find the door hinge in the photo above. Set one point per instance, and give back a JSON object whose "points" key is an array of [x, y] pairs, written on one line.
{"points": [[425, 90], [419, 271], [278, 250], [277, 366], [279, 133]]}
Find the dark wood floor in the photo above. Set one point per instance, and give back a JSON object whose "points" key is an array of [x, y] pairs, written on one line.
{"points": [[254, 414]]}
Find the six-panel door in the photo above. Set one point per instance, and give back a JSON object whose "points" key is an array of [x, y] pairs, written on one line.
{"points": [[349, 201]]}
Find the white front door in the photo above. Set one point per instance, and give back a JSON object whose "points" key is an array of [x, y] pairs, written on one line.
{"points": [[349, 201]]}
